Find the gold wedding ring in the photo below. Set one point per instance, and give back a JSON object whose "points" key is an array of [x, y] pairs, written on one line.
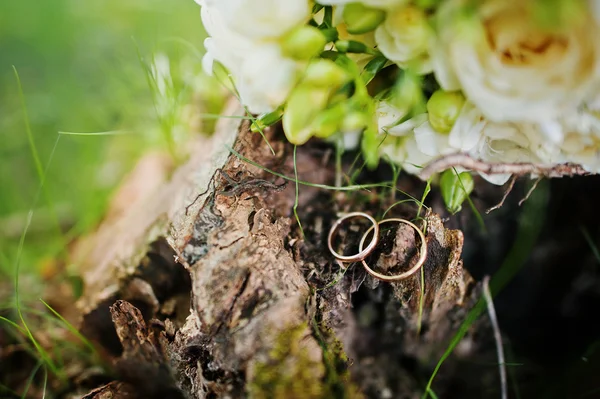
{"points": [[363, 253], [417, 266]]}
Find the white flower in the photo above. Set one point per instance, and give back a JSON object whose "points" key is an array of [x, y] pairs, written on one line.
{"points": [[399, 146], [388, 116], [404, 38], [415, 143], [265, 79], [383, 4], [262, 76], [581, 143], [260, 19], [510, 68]]}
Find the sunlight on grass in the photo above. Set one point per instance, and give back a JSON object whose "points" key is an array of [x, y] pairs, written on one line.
{"points": [[73, 97]]}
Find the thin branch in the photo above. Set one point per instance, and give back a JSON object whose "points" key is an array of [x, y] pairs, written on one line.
{"points": [[519, 169], [497, 336], [508, 190], [531, 190]]}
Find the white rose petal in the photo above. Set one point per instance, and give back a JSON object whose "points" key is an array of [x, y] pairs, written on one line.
{"points": [[511, 69], [260, 19], [262, 76], [387, 115], [404, 38], [467, 129], [429, 141], [265, 79]]}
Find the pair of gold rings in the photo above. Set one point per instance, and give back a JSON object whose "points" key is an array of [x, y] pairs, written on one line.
{"points": [[363, 251]]}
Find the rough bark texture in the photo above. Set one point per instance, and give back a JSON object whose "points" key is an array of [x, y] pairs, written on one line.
{"points": [[240, 304]]}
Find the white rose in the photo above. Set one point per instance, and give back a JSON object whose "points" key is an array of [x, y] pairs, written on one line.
{"points": [[582, 150], [581, 143], [382, 4], [510, 68], [260, 19], [480, 138], [224, 45], [404, 38], [399, 146], [262, 76], [265, 79], [388, 116]]}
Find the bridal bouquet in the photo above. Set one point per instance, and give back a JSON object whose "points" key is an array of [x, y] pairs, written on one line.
{"points": [[502, 81]]}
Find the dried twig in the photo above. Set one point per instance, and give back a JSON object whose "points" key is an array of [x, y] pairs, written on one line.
{"points": [[497, 336], [519, 169], [531, 190], [508, 190]]}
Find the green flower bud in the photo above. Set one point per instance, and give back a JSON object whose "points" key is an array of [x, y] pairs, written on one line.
{"points": [[328, 122], [407, 93], [455, 189], [356, 120], [361, 19], [303, 43], [266, 120], [370, 145], [325, 73], [303, 106], [443, 108], [331, 34], [352, 46]]}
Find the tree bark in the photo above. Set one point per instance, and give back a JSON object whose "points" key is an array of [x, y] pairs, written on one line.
{"points": [[215, 293]]}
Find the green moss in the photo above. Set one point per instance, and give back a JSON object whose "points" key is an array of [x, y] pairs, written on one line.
{"points": [[291, 373]]}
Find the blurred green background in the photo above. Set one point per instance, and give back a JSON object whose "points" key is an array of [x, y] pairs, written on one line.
{"points": [[84, 67]]}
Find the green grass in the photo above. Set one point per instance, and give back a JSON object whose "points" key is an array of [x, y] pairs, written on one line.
{"points": [[74, 98], [530, 223], [79, 72], [297, 193], [591, 243]]}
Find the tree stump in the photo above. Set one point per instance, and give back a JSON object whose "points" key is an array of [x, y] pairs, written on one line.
{"points": [[203, 285]]}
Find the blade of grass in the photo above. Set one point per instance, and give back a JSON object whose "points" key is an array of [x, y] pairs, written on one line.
{"points": [[13, 324], [530, 224], [590, 242], [38, 164], [425, 194], [471, 204], [305, 183], [4, 388], [41, 351], [296, 199], [422, 272], [34, 153], [402, 202], [165, 129], [106, 133], [45, 385], [218, 116], [30, 379], [71, 328], [317, 185]]}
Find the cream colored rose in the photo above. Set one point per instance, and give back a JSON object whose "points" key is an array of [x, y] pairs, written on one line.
{"points": [[415, 142], [581, 139], [404, 38], [262, 76], [260, 19], [511, 68]]}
